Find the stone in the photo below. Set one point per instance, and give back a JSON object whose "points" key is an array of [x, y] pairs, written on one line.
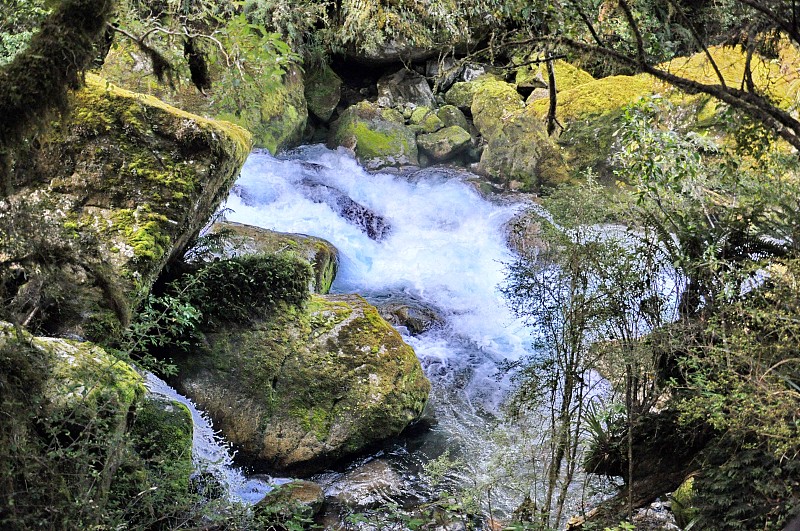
{"points": [[404, 86], [415, 317], [239, 239], [443, 71], [305, 387], [372, 484], [444, 144], [120, 189], [378, 136], [323, 90], [451, 115], [520, 150], [460, 95], [296, 498], [472, 72], [426, 119], [493, 103]]}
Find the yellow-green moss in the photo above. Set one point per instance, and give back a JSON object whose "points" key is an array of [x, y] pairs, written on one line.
{"points": [[493, 101], [597, 97]]}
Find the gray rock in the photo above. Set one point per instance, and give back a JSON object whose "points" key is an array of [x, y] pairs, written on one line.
{"points": [[404, 86], [445, 143]]}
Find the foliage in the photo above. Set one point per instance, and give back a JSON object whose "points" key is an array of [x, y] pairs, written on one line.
{"points": [[20, 20]]}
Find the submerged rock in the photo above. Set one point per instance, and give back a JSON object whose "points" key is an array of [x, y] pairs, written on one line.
{"points": [[379, 137], [370, 222], [114, 193], [239, 239], [303, 388], [415, 317], [372, 484]]}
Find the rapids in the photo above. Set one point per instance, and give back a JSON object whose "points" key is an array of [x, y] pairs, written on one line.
{"points": [[444, 246]]}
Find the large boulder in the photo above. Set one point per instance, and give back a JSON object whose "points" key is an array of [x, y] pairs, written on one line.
{"points": [[493, 102], [304, 387], [521, 156], [75, 420], [379, 137], [275, 111], [402, 87], [239, 239], [114, 192]]}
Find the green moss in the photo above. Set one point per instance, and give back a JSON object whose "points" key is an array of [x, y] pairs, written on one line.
{"points": [[323, 90], [460, 95], [683, 503], [492, 102], [597, 97], [143, 231]]}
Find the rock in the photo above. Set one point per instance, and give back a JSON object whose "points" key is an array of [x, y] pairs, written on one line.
{"points": [[445, 143], [375, 226], [460, 95], [493, 102], [323, 90], [538, 94], [426, 119], [277, 119], [239, 240], [472, 72], [416, 318], [298, 390], [111, 196], [402, 87], [520, 150], [367, 486], [451, 115], [567, 76], [377, 136], [444, 72], [296, 498]]}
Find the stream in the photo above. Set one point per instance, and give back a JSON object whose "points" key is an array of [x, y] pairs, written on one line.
{"points": [[442, 246]]}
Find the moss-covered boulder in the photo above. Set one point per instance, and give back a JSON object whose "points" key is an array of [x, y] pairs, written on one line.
{"points": [[113, 193], [451, 115], [239, 239], [445, 143], [493, 102], [379, 137], [682, 505], [404, 87], [521, 156], [304, 387], [460, 95], [567, 76], [323, 90], [297, 498], [425, 120], [275, 112], [80, 435]]}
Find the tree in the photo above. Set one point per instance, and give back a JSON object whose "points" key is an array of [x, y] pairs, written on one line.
{"points": [[617, 34]]}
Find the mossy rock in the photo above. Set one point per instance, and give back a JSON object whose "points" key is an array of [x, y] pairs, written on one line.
{"points": [[683, 503], [323, 90], [493, 102], [460, 95], [378, 136], [567, 76], [426, 119], [277, 120], [321, 255], [297, 498], [310, 386], [521, 156], [451, 115], [119, 187], [445, 143]]}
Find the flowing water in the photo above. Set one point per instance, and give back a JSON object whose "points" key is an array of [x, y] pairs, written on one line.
{"points": [[425, 237]]}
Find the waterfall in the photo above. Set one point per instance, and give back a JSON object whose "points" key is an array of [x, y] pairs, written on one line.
{"points": [[210, 453]]}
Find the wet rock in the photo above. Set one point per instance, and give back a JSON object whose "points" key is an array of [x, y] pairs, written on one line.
{"points": [[296, 498], [378, 137], [304, 387], [238, 239], [370, 222], [444, 144], [415, 317], [520, 151], [370, 485], [404, 86]]}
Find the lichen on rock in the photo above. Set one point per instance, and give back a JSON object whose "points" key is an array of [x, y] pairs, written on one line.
{"points": [[115, 191], [309, 386]]}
